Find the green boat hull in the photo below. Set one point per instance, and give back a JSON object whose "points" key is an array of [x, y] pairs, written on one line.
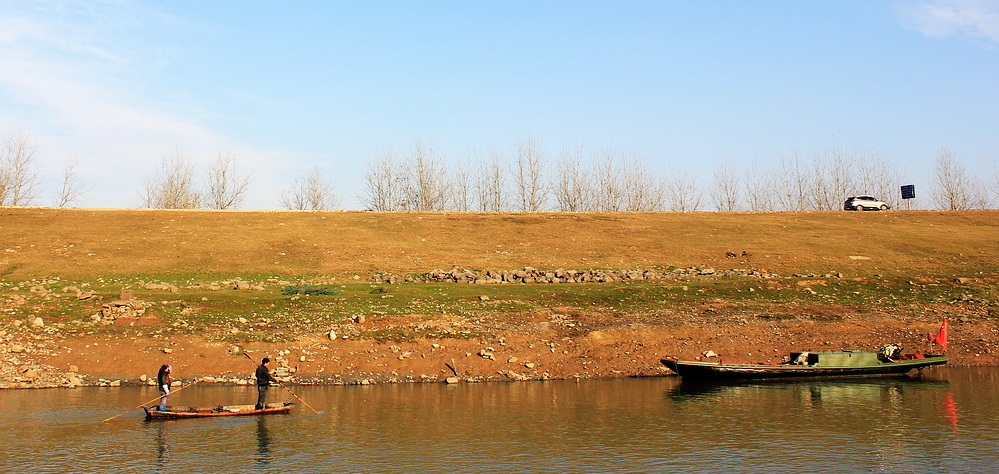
{"points": [[813, 365]]}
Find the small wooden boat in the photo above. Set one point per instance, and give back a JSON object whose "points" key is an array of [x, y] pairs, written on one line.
{"points": [[808, 364], [153, 412]]}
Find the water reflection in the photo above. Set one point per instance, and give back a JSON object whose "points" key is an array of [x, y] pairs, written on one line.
{"points": [[950, 411], [263, 455], [162, 446], [632, 425], [890, 391]]}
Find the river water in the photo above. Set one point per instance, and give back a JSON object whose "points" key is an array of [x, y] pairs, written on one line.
{"points": [[945, 421]]}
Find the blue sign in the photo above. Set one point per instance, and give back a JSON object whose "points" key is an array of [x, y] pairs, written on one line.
{"points": [[908, 191]]}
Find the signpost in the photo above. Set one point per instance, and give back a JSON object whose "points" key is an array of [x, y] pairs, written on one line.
{"points": [[908, 192]]}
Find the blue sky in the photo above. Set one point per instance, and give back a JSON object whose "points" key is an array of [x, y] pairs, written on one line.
{"points": [[286, 86]]}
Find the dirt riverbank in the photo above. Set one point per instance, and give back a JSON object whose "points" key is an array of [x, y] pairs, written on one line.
{"points": [[749, 287]]}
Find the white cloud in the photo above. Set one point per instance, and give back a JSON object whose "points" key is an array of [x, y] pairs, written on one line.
{"points": [[73, 81], [943, 18]]}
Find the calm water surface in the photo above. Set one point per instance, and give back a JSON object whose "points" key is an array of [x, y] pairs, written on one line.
{"points": [[945, 422]]}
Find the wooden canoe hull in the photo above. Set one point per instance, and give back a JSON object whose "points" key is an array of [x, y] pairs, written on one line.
{"points": [[704, 370], [174, 413]]}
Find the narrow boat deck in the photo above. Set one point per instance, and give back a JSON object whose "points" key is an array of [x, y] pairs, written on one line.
{"points": [[153, 412]]}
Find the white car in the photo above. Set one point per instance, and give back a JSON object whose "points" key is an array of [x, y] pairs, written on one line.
{"points": [[864, 203]]}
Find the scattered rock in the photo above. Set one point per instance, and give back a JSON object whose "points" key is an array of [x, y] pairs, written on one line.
{"points": [[132, 308], [161, 286]]}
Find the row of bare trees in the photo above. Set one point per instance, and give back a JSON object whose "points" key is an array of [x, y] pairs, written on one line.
{"points": [[955, 189], [529, 180], [423, 180], [174, 186], [20, 180]]}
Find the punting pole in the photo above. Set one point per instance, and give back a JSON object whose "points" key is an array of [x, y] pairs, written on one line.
{"points": [[286, 388], [150, 401]]}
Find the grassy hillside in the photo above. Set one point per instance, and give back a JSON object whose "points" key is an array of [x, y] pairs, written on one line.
{"points": [[206, 280], [75, 243]]}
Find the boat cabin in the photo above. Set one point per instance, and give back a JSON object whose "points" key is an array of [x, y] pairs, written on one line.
{"points": [[835, 359]]}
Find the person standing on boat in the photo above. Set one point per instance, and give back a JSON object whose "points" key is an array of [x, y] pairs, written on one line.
{"points": [[163, 383], [264, 380]]}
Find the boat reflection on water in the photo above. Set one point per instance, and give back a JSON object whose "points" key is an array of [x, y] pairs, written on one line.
{"points": [[814, 391], [873, 408]]}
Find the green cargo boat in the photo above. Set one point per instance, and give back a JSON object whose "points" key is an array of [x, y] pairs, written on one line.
{"points": [[809, 364]]}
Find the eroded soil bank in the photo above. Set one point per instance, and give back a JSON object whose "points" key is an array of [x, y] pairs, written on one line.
{"points": [[550, 348]]}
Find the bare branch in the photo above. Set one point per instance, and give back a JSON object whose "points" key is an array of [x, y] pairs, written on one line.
{"points": [[609, 193], [426, 179], [759, 189], [725, 193], [530, 180], [383, 184], [642, 191], [682, 192], [462, 188], [71, 190], [172, 187], [955, 189], [311, 193], [572, 188], [226, 186], [491, 183], [19, 178]]}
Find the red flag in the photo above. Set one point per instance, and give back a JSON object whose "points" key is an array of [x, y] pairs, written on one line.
{"points": [[941, 337]]}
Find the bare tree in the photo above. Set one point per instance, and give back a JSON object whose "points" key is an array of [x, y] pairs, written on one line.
{"points": [[383, 183], [682, 192], [759, 192], [793, 183], [312, 192], [572, 187], [462, 189], [833, 178], [18, 176], [426, 179], [725, 193], [530, 180], [607, 182], [954, 189], [995, 182], [879, 177], [226, 185], [173, 186], [491, 183], [71, 189], [642, 191]]}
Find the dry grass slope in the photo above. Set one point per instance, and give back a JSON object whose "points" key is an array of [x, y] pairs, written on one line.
{"points": [[71, 243]]}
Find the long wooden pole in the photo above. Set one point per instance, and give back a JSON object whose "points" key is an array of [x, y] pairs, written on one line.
{"points": [[150, 401], [286, 388]]}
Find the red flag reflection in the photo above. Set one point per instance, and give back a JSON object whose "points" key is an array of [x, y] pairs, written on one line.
{"points": [[950, 411]]}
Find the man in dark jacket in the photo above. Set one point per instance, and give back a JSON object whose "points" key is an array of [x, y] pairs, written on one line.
{"points": [[264, 380]]}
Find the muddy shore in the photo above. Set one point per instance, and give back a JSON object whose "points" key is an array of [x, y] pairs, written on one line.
{"points": [[38, 358]]}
